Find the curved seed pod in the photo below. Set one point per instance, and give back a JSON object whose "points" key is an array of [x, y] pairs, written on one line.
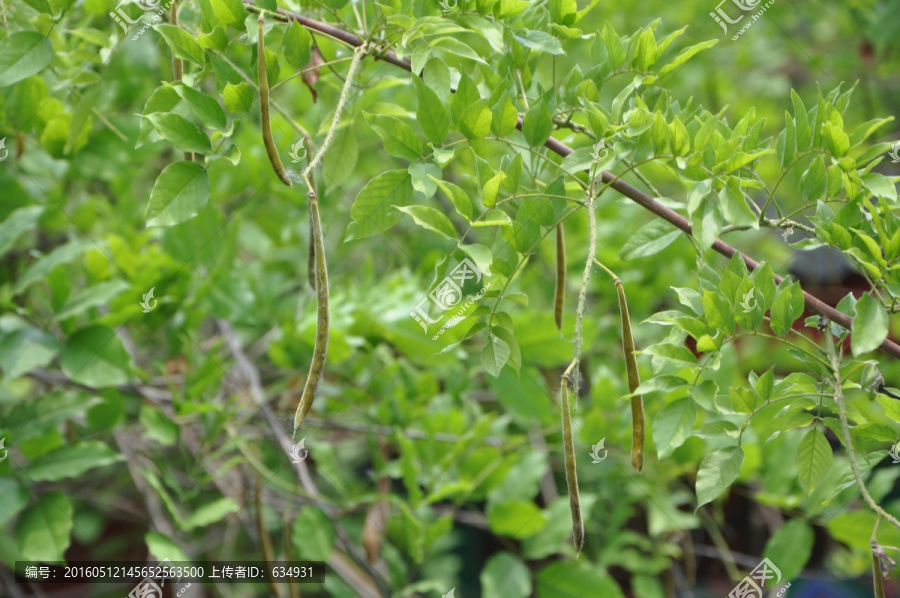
{"points": [[571, 472], [268, 140], [634, 380], [317, 367], [559, 298], [877, 574]]}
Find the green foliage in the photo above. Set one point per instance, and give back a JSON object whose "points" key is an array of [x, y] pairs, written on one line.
{"points": [[122, 179]]}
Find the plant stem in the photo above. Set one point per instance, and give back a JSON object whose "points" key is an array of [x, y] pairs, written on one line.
{"points": [[845, 431]]}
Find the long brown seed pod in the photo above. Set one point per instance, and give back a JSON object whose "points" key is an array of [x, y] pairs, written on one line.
{"points": [[268, 140], [320, 350], [571, 469], [634, 377], [559, 298], [877, 575], [634, 380]]}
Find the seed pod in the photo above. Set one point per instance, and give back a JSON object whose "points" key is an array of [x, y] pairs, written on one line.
{"points": [[571, 472], [877, 574], [320, 350], [559, 299], [268, 140], [634, 380]]}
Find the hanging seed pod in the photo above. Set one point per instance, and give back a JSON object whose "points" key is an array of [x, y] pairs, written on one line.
{"points": [[559, 299], [268, 140], [634, 380], [320, 350], [571, 471]]}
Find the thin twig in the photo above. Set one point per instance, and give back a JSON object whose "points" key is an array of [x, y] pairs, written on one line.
{"points": [[845, 431]]}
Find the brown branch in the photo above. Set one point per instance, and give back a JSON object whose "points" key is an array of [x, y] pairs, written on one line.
{"points": [[815, 304]]}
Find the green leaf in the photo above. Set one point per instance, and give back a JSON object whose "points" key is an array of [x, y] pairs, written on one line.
{"points": [[870, 326], [568, 579], [492, 189], [813, 460], [717, 472], [70, 461], [399, 138], [649, 240], [537, 125], [563, 12], [238, 98], [505, 117], [540, 41], [209, 513], [686, 55], [94, 356], [790, 548], [673, 425], [24, 349], [92, 296], [182, 43], [614, 48], [22, 55], [183, 134], [814, 181], [313, 534], [879, 185], [787, 307], [229, 12], [42, 530], [297, 46], [680, 139], [341, 158], [42, 268], [205, 107], [475, 121], [180, 192], [495, 354], [21, 220], [460, 200], [431, 219], [373, 212], [157, 426], [431, 113], [505, 576], [216, 39], [516, 518], [645, 53], [13, 497], [162, 547]]}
